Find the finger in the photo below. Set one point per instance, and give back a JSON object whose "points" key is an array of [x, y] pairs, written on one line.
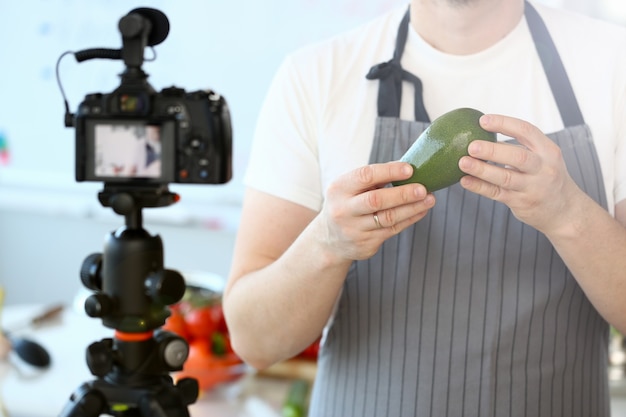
{"points": [[526, 133], [481, 187], [373, 176], [387, 198], [499, 176], [397, 217], [512, 156]]}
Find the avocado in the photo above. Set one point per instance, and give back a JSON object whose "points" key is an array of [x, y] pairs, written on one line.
{"points": [[436, 153]]}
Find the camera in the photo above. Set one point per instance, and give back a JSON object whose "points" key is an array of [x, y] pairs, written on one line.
{"points": [[137, 137], [140, 137]]}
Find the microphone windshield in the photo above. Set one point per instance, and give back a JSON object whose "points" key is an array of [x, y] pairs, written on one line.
{"points": [[160, 24]]}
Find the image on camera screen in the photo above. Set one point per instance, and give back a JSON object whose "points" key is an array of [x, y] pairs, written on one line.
{"points": [[127, 150]]}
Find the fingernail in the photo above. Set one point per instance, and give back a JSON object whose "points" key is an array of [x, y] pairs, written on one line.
{"points": [[465, 163], [474, 147], [420, 191], [485, 119], [407, 169]]}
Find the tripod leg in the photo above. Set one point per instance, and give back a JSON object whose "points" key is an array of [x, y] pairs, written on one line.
{"points": [[151, 407], [85, 402]]}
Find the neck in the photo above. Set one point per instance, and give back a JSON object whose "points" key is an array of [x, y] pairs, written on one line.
{"points": [[463, 27]]}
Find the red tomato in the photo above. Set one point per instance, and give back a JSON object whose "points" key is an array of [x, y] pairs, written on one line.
{"points": [[200, 323], [175, 323], [311, 351], [218, 316], [208, 369], [199, 354]]}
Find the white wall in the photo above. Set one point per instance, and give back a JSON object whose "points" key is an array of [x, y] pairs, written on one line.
{"points": [[41, 254], [48, 224]]}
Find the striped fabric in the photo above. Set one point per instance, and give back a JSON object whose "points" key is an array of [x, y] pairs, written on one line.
{"points": [[468, 313]]}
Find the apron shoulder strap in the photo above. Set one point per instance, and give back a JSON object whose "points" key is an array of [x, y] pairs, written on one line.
{"points": [[391, 75], [554, 69]]}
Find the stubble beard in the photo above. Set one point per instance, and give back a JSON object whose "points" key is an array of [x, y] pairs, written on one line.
{"points": [[459, 3]]}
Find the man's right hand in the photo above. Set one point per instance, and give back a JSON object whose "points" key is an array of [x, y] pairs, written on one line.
{"points": [[361, 211]]}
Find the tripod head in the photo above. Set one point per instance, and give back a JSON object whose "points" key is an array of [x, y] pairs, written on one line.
{"points": [[132, 291], [132, 288]]}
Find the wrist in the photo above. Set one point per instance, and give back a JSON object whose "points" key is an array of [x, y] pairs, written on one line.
{"points": [[324, 247], [574, 220]]}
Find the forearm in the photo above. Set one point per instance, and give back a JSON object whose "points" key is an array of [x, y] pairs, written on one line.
{"points": [[593, 245], [275, 312], [290, 262]]}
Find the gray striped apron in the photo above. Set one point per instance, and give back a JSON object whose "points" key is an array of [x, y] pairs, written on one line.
{"points": [[469, 312]]}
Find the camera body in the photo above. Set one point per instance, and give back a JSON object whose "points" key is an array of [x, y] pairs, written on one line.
{"points": [[136, 136]]}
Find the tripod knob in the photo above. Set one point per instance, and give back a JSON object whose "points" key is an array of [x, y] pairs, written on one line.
{"points": [[173, 349], [98, 305], [166, 286], [90, 272], [189, 390], [100, 357]]}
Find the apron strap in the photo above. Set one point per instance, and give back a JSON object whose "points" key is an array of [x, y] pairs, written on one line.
{"points": [[391, 75], [554, 69]]}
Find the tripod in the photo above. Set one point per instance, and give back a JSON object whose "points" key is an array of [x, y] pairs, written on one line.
{"points": [[131, 293]]}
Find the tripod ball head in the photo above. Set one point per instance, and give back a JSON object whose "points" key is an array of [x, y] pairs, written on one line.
{"points": [[132, 288]]}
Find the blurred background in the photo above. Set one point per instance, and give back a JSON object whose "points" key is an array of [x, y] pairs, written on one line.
{"points": [[48, 222]]}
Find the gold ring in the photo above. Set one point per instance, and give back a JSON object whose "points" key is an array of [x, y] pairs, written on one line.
{"points": [[376, 220]]}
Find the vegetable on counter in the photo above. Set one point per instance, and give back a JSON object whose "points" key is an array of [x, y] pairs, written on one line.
{"points": [[296, 404], [199, 319]]}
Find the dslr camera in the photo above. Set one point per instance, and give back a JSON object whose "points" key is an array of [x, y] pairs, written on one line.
{"points": [[136, 137]]}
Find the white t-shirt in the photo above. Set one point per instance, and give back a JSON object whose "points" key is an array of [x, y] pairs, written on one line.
{"points": [[318, 118]]}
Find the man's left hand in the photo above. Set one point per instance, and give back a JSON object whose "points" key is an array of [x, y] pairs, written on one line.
{"points": [[531, 179]]}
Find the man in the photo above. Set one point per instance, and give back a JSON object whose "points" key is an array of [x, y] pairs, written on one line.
{"points": [[488, 298]]}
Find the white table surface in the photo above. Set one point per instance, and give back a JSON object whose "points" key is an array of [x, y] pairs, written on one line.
{"points": [[618, 398], [27, 392]]}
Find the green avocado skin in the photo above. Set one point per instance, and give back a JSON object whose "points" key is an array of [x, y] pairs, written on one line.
{"points": [[436, 153]]}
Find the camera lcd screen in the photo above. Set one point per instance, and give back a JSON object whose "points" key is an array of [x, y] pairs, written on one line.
{"points": [[122, 151], [129, 151]]}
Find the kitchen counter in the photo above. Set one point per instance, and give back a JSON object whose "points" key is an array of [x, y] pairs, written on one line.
{"points": [[27, 392], [618, 398]]}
